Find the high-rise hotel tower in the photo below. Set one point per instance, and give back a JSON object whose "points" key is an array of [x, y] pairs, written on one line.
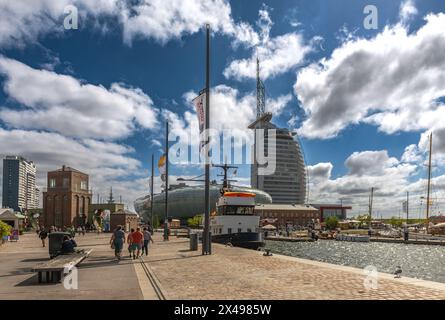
{"points": [[19, 184], [288, 184]]}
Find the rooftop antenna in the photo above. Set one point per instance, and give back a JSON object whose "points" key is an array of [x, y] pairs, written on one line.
{"points": [[260, 92]]}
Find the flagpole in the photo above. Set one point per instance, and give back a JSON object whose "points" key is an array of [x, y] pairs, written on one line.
{"points": [[206, 243], [166, 184], [151, 189]]}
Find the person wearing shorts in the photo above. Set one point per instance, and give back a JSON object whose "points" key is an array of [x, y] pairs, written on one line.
{"points": [[130, 244], [117, 241], [138, 240]]}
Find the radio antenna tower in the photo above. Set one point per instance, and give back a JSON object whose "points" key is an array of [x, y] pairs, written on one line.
{"points": [[260, 92]]}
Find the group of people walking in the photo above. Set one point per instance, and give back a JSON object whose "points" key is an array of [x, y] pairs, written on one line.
{"points": [[137, 242]]}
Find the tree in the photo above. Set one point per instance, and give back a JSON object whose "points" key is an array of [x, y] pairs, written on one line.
{"points": [[331, 222], [195, 222], [155, 223], [396, 222], [5, 230]]}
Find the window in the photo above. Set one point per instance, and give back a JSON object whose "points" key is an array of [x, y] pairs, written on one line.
{"points": [[66, 182], [240, 230], [83, 185], [249, 230], [229, 230], [52, 183]]}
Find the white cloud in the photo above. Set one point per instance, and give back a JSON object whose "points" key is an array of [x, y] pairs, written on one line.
{"points": [[369, 162], [393, 80], [277, 55], [390, 178], [407, 10], [72, 107], [229, 111], [105, 162], [27, 21], [320, 171], [164, 20], [411, 154]]}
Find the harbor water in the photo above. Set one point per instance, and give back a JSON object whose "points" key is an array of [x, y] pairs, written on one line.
{"points": [[425, 262]]}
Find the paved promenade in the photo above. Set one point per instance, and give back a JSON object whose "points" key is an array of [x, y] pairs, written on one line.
{"points": [[171, 271], [235, 273], [100, 276]]}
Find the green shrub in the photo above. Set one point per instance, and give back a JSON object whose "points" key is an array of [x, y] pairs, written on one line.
{"points": [[156, 222], [331, 222], [195, 222], [5, 229]]}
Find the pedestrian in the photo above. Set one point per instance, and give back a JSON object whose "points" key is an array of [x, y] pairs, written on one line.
{"points": [[138, 241], [117, 241], [68, 245], [43, 235], [130, 242], [147, 239], [84, 230]]}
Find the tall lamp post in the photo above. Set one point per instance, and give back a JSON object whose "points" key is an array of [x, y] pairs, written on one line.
{"points": [[166, 184], [206, 243], [151, 189]]}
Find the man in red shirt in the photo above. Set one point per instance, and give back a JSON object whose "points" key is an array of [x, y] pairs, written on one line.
{"points": [[137, 241]]}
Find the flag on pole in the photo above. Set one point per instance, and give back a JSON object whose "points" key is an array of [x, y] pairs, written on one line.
{"points": [[200, 104], [162, 164], [404, 206]]}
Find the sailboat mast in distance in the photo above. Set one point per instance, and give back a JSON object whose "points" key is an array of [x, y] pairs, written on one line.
{"points": [[429, 184]]}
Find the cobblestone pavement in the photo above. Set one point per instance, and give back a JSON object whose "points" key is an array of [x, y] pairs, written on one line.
{"points": [[100, 275], [235, 273]]}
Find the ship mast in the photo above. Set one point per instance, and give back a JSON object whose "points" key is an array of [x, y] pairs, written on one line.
{"points": [[429, 185], [226, 181]]}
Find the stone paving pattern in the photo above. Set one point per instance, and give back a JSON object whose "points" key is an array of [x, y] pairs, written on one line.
{"points": [[100, 276], [236, 273], [229, 273]]}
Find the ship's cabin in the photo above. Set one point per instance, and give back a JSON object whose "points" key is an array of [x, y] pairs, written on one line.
{"points": [[236, 203]]}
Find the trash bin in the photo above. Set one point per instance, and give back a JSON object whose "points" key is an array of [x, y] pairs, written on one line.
{"points": [[193, 241], [55, 240]]}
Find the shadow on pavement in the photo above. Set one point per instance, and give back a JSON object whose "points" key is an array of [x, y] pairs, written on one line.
{"points": [[35, 260], [33, 281]]}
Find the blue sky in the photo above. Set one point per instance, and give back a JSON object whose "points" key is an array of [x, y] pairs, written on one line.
{"points": [[158, 63]]}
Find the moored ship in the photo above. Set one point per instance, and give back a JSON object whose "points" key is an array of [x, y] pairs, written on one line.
{"points": [[235, 222]]}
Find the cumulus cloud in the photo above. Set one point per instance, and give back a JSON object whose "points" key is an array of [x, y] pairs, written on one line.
{"points": [[320, 171], [407, 10], [27, 21], [394, 80], [369, 162], [230, 110], [389, 177], [72, 107], [277, 54], [164, 20], [104, 161]]}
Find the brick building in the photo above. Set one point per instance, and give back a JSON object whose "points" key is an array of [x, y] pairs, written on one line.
{"points": [[67, 198], [125, 218], [297, 215], [328, 210]]}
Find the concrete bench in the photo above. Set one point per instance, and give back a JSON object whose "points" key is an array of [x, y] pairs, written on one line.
{"points": [[56, 268]]}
